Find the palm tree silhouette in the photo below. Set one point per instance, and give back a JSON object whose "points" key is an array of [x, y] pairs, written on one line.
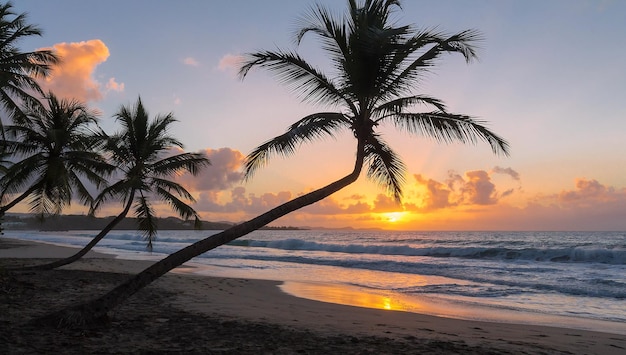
{"points": [[56, 145], [377, 66], [19, 70], [140, 153]]}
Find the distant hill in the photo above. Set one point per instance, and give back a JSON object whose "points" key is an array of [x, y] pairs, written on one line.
{"points": [[82, 222]]}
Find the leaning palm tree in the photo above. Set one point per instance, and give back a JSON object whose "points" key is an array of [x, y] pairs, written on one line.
{"points": [[377, 65], [139, 151], [19, 70], [56, 147]]}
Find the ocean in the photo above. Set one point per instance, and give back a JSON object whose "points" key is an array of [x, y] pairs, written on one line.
{"points": [[569, 279]]}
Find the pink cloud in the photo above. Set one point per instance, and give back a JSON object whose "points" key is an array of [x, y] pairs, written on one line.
{"points": [[223, 173], [229, 62], [73, 77], [587, 192], [240, 202], [191, 62], [113, 85]]}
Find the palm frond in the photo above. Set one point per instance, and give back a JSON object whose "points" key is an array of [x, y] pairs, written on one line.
{"points": [[180, 207], [50, 197], [146, 220], [399, 105], [448, 128], [329, 28], [289, 68], [172, 186], [190, 162], [83, 193], [19, 70], [120, 189], [309, 128], [385, 167], [409, 69], [21, 173]]}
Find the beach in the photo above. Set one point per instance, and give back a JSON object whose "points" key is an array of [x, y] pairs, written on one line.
{"points": [[186, 313]]}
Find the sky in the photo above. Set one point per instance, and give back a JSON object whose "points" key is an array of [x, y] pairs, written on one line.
{"points": [[550, 79]]}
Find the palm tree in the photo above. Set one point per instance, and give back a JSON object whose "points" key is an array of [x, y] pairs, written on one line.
{"points": [[19, 70], [57, 146], [140, 153], [377, 66]]}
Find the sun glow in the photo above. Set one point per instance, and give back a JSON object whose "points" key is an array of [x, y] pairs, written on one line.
{"points": [[393, 217]]}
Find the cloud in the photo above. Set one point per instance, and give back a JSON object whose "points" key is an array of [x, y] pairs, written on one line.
{"points": [[587, 193], [475, 188], [478, 188], [112, 85], [384, 203], [223, 173], [331, 207], [437, 195], [230, 62], [73, 77], [469, 201], [507, 171], [240, 202], [247, 205], [190, 61], [591, 205]]}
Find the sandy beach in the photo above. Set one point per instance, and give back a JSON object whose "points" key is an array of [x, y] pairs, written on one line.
{"points": [[183, 313]]}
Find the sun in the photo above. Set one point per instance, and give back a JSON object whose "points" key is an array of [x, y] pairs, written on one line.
{"points": [[394, 217]]}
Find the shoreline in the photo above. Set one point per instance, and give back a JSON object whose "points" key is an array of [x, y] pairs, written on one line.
{"points": [[251, 300]]}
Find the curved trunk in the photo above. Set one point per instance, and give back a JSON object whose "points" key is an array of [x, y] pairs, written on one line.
{"points": [[98, 309], [17, 200], [89, 246], [11, 204]]}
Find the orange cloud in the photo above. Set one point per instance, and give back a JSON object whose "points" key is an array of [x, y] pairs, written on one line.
{"points": [[73, 77], [471, 201], [589, 206], [437, 195], [384, 203], [475, 188]]}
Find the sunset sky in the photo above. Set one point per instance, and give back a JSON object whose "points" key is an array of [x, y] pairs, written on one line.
{"points": [[551, 79]]}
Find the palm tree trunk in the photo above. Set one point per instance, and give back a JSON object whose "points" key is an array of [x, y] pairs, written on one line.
{"points": [[88, 247], [97, 309], [11, 204], [18, 199]]}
